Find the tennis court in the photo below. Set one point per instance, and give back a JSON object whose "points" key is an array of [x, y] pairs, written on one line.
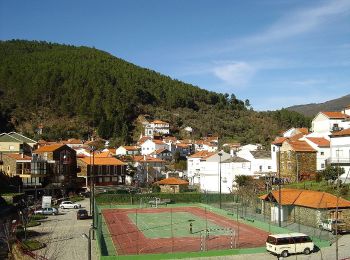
{"points": [[180, 229]]}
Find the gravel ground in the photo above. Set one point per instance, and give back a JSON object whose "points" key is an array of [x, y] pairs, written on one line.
{"points": [[63, 235]]}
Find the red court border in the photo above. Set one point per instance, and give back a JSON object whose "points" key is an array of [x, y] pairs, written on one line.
{"points": [[129, 240]]}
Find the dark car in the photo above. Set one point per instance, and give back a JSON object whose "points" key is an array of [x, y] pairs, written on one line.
{"points": [[82, 214]]}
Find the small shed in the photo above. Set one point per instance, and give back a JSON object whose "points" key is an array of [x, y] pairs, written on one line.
{"points": [[172, 185]]}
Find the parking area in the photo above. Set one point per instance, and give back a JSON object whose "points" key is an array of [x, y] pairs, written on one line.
{"points": [[63, 235]]}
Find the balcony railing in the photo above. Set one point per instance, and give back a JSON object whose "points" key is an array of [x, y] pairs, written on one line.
{"points": [[334, 160]]}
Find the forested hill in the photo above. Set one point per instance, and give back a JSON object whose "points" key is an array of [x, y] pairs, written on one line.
{"points": [[332, 105], [76, 91]]}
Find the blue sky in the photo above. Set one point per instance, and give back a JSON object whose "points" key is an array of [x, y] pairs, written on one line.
{"points": [[276, 53]]}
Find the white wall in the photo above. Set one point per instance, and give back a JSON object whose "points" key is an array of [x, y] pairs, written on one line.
{"points": [[322, 123]]}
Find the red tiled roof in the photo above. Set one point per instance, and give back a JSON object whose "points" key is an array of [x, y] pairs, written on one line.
{"points": [[141, 158], [279, 140], [303, 130], [131, 148], [172, 181], [301, 146], [296, 137], [159, 122], [335, 115], [307, 198], [102, 161], [18, 156], [48, 148], [72, 141], [202, 154], [104, 154], [319, 141], [156, 141], [344, 132]]}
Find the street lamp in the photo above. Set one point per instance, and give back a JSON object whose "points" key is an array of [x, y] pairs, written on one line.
{"points": [[220, 154]]}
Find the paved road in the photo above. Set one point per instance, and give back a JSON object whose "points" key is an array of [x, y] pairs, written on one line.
{"points": [[327, 253], [63, 236]]}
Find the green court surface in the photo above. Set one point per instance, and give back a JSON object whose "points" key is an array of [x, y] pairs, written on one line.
{"points": [[174, 224]]}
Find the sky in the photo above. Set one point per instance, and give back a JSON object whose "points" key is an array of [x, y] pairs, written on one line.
{"points": [[276, 53]]}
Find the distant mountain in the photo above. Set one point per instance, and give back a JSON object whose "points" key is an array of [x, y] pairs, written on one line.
{"points": [[74, 91], [331, 105]]}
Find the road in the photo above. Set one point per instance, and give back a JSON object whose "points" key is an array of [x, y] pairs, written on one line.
{"points": [[327, 253], [63, 235]]}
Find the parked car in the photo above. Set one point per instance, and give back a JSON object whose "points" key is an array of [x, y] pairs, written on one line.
{"points": [[69, 205], [47, 211], [85, 194], [286, 244], [332, 226], [82, 214]]}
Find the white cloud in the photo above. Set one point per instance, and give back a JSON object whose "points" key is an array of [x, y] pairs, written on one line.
{"points": [[236, 74]]}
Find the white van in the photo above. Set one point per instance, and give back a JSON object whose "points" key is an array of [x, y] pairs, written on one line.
{"points": [[285, 244]]}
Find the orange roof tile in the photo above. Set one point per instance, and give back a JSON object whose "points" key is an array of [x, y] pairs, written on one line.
{"points": [[48, 148], [183, 145], [301, 146], [319, 141], [144, 139], [279, 140], [344, 132], [335, 115], [131, 148], [172, 181], [307, 198], [102, 161], [18, 156], [202, 154], [296, 137], [156, 141], [303, 130], [104, 154], [72, 141], [159, 122]]}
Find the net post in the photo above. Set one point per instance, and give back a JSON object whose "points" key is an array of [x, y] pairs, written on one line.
{"points": [[231, 242]]}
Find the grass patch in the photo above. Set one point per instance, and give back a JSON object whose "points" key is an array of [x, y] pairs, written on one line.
{"points": [[32, 245], [38, 217], [76, 198], [33, 223]]}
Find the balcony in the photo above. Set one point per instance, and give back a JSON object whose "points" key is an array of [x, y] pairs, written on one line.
{"points": [[334, 160]]}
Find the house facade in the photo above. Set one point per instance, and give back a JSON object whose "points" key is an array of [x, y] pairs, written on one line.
{"points": [[103, 171], [340, 152], [149, 146], [16, 143], [297, 161], [322, 146], [127, 150], [157, 127], [327, 122], [261, 161]]}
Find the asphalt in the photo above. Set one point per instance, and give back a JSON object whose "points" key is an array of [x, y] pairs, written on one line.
{"points": [[63, 235]]}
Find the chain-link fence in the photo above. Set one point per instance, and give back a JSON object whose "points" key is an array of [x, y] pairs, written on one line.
{"points": [[243, 208]]}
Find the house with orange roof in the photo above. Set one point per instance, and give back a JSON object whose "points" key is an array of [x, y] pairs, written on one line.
{"points": [[163, 154], [172, 185], [103, 170], [326, 122], [203, 170], [184, 149], [307, 207], [148, 169], [157, 127], [73, 143], [322, 146], [150, 146], [128, 150], [297, 161], [58, 161]]}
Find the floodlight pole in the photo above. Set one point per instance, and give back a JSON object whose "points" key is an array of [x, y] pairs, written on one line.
{"points": [[220, 154], [279, 190]]}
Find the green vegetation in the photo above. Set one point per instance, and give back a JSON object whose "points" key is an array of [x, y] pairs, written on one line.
{"points": [[78, 91], [38, 217], [32, 245]]}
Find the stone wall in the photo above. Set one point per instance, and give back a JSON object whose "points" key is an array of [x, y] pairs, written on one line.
{"points": [[9, 165], [294, 165]]}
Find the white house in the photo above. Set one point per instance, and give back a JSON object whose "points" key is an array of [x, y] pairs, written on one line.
{"points": [[150, 146], [127, 150], [261, 161], [294, 131], [326, 122], [194, 165], [322, 146], [157, 127], [340, 152]]}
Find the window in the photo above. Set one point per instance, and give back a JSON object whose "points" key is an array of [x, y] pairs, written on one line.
{"points": [[260, 167], [273, 149], [322, 165], [11, 147], [269, 167], [322, 153]]}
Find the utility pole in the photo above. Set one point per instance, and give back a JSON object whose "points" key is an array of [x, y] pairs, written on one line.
{"points": [[336, 209], [220, 154], [279, 189]]}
